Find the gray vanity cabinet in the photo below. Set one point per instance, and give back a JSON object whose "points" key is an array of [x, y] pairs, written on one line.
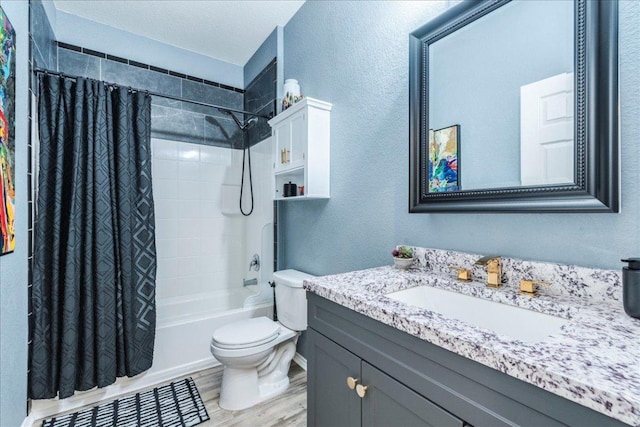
{"points": [[390, 403], [386, 402], [412, 382], [329, 401]]}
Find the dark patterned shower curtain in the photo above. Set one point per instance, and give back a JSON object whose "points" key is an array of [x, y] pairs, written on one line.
{"points": [[94, 251]]}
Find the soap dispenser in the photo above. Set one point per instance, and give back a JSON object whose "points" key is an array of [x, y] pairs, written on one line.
{"points": [[631, 287]]}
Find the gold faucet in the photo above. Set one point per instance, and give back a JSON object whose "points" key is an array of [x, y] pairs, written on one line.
{"points": [[530, 287], [494, 270], [464, 275]]}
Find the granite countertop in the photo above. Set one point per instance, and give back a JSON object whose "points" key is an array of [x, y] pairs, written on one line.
{"points": [[593, 360]]}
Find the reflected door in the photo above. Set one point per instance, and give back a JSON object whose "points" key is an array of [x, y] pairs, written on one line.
{"points": [[546, 131]]}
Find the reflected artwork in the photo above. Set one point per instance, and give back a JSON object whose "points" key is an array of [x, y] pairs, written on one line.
{"points": [[7, 134], [444, 159]]}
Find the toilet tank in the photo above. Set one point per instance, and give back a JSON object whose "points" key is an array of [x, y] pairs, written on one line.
{"points": [[291, 299]]}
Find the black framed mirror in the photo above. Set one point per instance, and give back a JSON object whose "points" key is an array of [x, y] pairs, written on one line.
{"points": [[514, 108]]}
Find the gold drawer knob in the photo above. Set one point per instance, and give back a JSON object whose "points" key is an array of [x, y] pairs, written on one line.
{"points": [[361, 390], [351, 382]]}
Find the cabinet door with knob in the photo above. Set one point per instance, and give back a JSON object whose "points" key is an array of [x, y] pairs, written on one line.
{"points": [[344, 390], [332, 378], [290, 139], [386, 402]]}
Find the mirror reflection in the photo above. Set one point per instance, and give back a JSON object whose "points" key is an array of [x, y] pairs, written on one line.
{"points": [[501, 100]]}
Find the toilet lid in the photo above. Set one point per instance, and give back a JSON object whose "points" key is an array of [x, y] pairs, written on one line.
{"points": [[246, 333]]}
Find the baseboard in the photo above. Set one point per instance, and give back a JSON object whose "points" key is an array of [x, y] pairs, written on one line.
{"points": [[45, 408], [300, 360]]}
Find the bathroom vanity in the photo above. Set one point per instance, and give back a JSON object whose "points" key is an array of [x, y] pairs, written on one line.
{"points": [[412, 366]]}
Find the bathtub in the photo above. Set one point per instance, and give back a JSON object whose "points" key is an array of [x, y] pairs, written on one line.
{"points": [[185, 326], [183, 333]]}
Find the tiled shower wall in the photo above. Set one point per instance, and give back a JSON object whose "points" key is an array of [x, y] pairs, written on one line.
{"points": [[260, 97], [174, 120], [199, 248]]}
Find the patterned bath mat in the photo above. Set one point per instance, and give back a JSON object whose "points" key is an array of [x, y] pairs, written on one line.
{"points": [[173, 405]]}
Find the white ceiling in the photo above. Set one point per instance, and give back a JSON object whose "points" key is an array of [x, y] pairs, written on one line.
{"points": [[227, 30]]}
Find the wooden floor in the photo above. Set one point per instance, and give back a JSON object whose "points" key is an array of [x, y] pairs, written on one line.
{"points": [[289, 409]]}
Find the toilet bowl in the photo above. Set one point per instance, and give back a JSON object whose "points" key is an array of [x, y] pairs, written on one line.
{"points": [[257, 353]]}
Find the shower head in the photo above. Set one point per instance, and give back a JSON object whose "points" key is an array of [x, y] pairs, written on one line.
{"points": [[243, 126], [251, 121]]}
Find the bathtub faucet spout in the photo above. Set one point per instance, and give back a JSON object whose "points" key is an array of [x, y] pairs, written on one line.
{"points": [[249, 282]]}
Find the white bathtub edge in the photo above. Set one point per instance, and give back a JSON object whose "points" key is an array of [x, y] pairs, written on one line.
{"points": [[121, 387]]}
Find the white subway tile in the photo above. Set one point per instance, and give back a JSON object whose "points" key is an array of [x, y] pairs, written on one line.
{"points": [[211, 265], [164, 169], [167, 268], [189, 170], [164, 149], [212, 173], [212, 230], [167, 248], [166, 209], [210, 250], [165, 189], [190, 285], [189, 209], [166, 288], [188, 247], [208, 154], [188, 190], [210, 209], [188, 266], [167, 228], [189, 229], [189, 152]]}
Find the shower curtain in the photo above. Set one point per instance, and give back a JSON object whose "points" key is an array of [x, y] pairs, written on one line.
{"points": [[93, 296]]}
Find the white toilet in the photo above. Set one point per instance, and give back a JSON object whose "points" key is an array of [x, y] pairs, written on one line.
{"points": [[256, 353]]}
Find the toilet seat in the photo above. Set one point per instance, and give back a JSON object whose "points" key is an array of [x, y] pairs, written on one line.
{"points": [[246, 333]]}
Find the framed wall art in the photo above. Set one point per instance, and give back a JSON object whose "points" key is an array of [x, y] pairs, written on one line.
{"points": [[7, 134], [444, 159]]}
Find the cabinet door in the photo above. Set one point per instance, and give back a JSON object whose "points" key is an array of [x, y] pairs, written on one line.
{"points": [[281, 145], [290, 142], [298, 139], [390, 403], [330, 402]]}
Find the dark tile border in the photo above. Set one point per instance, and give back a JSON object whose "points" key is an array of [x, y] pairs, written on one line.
{"points": [[146, 66], [158, 69], [139, 64], [117, 59], [69, 47], [94, 53]]}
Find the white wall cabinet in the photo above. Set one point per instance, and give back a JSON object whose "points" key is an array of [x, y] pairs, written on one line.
{"points": [[301, 149]]}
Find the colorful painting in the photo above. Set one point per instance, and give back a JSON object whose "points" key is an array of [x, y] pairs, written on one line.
{"points": [[444, 159], [7, 134]]}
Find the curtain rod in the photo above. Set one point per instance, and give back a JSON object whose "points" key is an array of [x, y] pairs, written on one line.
{"points": [[161, 95]]}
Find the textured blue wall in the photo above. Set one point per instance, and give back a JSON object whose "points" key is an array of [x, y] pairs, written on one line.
{"points": [[13, 267], [355, 55]]}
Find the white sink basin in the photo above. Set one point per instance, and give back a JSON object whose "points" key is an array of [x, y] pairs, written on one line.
{"points": [[514, 322]]}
